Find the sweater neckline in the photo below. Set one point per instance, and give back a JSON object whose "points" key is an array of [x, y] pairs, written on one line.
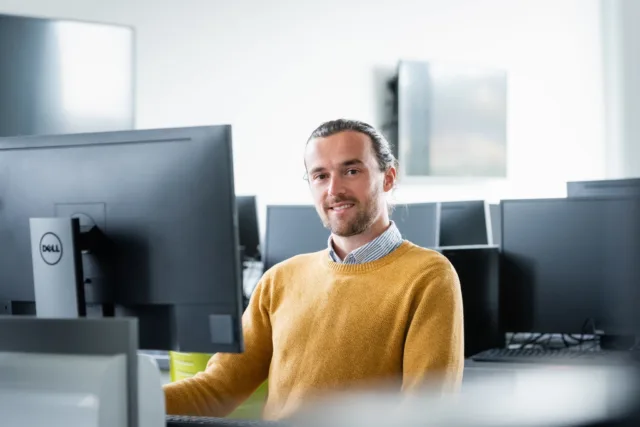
{"points": [[337, 267]]}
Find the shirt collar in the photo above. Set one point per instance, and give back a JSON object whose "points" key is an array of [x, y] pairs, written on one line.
{"points": [[375, 249]]}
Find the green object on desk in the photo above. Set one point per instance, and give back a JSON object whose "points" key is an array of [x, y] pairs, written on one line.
{"points": [[251, 409], [186, 365]]}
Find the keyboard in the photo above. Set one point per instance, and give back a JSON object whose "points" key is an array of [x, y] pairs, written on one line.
{"points": [[549, 356], [190, 421]]}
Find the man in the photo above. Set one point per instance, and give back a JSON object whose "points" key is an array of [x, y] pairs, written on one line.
{"points": [[372, 309]]}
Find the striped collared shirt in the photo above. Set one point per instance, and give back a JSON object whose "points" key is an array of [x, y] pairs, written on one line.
{"points": [[382, 245]]}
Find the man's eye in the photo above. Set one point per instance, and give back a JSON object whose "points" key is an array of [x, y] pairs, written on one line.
{"points": [[352, 171], [320, 176]]}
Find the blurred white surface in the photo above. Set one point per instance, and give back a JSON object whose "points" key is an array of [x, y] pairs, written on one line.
{"points": [[548, 397]]}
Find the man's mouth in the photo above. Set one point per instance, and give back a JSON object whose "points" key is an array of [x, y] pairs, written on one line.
{"points": [[341, 207]]}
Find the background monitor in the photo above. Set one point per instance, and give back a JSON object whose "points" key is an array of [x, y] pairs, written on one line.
{"points": [[609, 187], [570, 265], [248, 226], [478, 269], [496, 223], [292, 230], [465, 223], [165, 201], [418, 222]]}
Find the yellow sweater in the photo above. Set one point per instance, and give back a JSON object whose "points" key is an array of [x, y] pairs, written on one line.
{"points": [[314, 326]]}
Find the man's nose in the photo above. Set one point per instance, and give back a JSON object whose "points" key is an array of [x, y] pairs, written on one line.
{"points": [[336, 186]]}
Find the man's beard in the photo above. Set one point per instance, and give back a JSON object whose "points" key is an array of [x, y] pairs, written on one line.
{"points": [[364, 217]]}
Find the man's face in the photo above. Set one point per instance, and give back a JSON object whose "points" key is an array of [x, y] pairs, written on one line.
{"points": [[346, 182]]}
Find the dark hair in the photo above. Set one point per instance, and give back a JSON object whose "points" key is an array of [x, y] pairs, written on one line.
{"points": [[381, 146]]}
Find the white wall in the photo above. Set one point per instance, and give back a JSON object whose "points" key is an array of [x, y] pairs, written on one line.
{"points": [[275, 69], [621, 43]]}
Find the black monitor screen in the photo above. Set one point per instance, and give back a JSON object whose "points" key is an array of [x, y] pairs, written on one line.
{"points": [[570, 265]]}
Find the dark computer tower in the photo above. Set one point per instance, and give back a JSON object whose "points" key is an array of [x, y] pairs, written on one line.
{"points": [[478, 271]]}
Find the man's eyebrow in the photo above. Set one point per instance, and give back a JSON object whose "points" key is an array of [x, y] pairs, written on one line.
{"points": [[351, 162], [316, 170]]}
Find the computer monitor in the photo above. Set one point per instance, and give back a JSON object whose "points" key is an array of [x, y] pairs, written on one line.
{"points": [[248, 226], [164, 202], [418, 223], [607, 187], [570, 265], [496, 223], [88, 381], [465, 223], [292, 230], [64, 345]]}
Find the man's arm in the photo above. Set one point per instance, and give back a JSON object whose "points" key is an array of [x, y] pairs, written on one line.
{"points": [[434, 346], [229, 379]]}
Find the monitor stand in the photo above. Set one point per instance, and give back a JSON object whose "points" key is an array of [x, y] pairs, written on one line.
{"points": [[73, 277], [57, 246]]}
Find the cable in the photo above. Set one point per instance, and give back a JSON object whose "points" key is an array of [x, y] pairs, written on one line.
{"points": [[548, 344], [511, 338], [578, 343], [532, 340]]}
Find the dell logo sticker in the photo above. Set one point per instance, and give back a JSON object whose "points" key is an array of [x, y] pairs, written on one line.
{"points": [[50, 248]]}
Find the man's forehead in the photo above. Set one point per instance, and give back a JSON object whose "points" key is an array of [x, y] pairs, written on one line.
{"points": [[339, 148]]}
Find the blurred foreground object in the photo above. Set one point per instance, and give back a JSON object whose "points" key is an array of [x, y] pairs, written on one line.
{"points": [[549, 397]]}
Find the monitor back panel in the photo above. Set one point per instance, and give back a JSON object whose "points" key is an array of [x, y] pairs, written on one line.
{"points": [[419, 223], [604, 188], [464, 223], [292, 230]]}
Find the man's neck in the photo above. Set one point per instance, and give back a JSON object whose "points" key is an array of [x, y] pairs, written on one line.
{"points": [[343, 246]]}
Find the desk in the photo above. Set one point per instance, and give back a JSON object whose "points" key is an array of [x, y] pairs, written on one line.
{"points": [[493, 389], [514, 375]]}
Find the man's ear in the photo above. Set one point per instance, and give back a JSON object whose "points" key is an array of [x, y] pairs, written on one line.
{"points": [[389, 179]]}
